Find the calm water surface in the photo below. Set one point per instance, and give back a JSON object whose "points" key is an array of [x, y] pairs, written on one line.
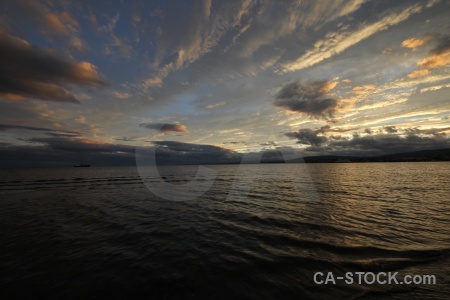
{"points": [[260, 232]]}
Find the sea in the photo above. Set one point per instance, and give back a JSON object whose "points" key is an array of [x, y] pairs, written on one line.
{"points": [[256, 231]]}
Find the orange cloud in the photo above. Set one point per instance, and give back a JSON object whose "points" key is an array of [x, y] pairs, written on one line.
{"points": [[12, 97], [414, 43], [84, 72], [440, 56], [361, 90], [436, 60], [154, 81], [418, 73], [323, 87], [52, 24]]}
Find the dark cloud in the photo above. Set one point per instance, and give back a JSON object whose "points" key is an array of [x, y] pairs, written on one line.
{"points": [[165, 127], [269, 143], [390, 129], [429, 131], [31, 72], [316, 137], [48, 131], [68, 134], [328, 128], [308, 98], [81, 145], [308, 137], [43, 156], [396, 140], [442, 46], [66, 151], [187, 152], [127, 139], [380, 144], [392, 143], [234, 143]]}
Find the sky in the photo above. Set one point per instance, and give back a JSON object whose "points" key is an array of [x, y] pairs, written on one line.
{"points": [[104, 81]]}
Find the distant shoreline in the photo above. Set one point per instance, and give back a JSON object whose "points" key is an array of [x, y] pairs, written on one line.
{"points": [[438, 155]]}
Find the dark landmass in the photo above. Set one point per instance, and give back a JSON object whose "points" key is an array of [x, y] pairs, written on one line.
{"points": [[424, 155], [417, 156]]}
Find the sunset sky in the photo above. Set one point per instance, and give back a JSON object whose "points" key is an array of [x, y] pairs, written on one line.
{"points": [[89, 81]]}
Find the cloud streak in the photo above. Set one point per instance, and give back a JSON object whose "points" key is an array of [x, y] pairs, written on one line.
{"points": [[337, 42], [5, 127]]}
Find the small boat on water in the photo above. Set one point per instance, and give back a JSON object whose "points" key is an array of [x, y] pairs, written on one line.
{"points": [[82, 166]]}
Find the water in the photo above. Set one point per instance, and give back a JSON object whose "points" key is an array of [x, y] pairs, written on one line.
{"points": [[97, 233]]}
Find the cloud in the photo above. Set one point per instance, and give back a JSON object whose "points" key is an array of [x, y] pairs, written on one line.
{"points": [[31, 72], [115, 42], [238, 29], [189, 147], [395, 140], [439, 56], [414, 43], [315, 137], [436, 60], [308, 98], [363, 90], [390, 129], [268, 144], [65, 151], [275, 21], [379, 144], [165, 127], [337, 42], [418, 73], [109, 27], [184, 38], [120, 95], [387, 143], [428, 131], [54, 25], [187, 153], [214, 105], [308, 137], [443, 45], [130, 138], [327, 128], [4, 127], [81, 145]]}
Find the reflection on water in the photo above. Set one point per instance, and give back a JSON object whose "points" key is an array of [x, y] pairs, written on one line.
{"points": [[260, 232]]}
